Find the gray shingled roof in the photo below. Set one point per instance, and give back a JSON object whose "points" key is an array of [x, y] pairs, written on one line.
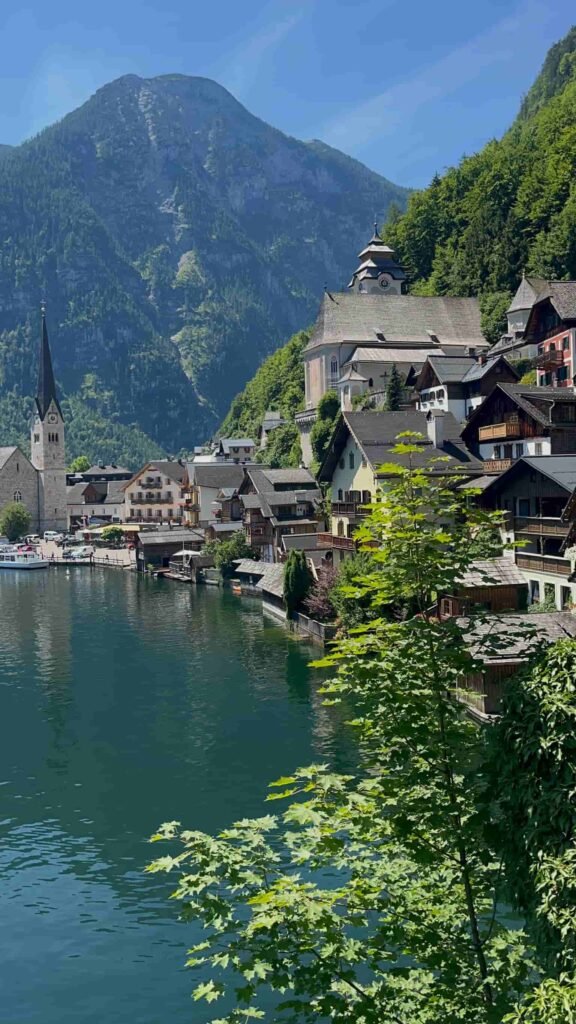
{"points": [[300, 541], [157, 538], [527, 293], [493, 572], [562, 294], [386, 354], [452, 369], [353, 316], [215, 474], [5, 453], [75, 493], [271, 574], [492, 638], [560, 468], [289, 476]]}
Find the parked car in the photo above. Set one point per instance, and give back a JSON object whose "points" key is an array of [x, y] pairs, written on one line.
{"points": [[53, 535], [32, 539], [86, 551]]}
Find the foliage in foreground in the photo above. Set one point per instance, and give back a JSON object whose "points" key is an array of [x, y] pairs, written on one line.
{"points": [[15, 520], [378, 899], [228, 552]]}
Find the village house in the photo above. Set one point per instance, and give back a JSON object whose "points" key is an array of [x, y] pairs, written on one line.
{"points": [[238, 450], [211, 493], [536, 494], [277, 502], [95, 502], [271, 421], [542, 329], [360, 334], [490, 584], [155, 493], [362, 442], [156, 548], [459, 384], [100, 474], [521, 419]]}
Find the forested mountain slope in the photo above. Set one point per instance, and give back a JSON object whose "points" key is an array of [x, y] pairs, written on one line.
{"points": [[509, 207], [177, 239]]}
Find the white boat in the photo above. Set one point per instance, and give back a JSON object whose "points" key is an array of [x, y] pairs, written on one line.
{"points": [[14, 558]]}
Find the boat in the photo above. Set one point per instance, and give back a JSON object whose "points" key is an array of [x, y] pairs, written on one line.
{"points": [[16, 558]]}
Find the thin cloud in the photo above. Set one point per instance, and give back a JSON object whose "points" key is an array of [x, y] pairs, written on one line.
{"points": [[242, 66], [383, 114]]}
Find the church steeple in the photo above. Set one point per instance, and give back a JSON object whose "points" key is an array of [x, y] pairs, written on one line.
{"points": [[46, 390], [379, 270]]}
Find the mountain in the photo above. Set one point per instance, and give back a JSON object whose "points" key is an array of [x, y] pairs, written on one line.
{"points": [[177, 239], [509, 207]]}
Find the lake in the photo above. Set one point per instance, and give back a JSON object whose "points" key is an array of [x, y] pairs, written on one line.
{"points": [[125, 702]]}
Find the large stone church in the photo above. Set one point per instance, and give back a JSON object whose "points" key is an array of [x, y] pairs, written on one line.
{"points": [[39, 482]]}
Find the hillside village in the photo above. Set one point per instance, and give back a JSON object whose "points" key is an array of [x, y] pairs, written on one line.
{"points": [[467, 402]]}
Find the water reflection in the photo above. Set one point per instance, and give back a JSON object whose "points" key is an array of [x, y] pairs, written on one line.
{"points": [[124, 702]]}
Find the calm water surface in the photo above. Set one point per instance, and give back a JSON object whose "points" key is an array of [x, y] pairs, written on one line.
{"points": [[125, 702]]}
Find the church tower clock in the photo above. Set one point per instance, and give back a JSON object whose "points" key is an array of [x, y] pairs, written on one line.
{"points": [[47, 443]]}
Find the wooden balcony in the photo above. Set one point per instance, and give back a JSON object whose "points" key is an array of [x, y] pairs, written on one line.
{"points": [[154, 499], [541, 526], [543, 563], [496, 465], [349, 508], [330, 540], [549, 360], [500, 431]]}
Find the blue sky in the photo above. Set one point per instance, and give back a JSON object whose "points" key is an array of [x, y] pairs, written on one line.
{"points": [[406, 87]]}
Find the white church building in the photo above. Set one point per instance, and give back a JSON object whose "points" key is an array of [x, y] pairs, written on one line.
{"points": [[39, 482]]}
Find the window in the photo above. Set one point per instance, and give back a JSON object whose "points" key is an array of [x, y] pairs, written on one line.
{"points": [[341, 463], [339, 494], [17, 495], [519, 451], [565, 343], [508, 451], [351, 460], [340, 528], [17, 467], [36, 438], [370, 382], [334, 369], [496, 452], [538, 448], [523, 506]]}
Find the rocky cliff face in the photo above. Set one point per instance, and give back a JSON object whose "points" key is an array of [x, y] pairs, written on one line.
{"points": [[177, 240]]}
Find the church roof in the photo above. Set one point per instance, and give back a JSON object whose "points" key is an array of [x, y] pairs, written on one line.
{"points": [[46, 390], [400, 319], [5, 453], [527, 292]]}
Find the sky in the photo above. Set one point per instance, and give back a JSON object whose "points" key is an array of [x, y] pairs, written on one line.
{"points": [[408, 88]]}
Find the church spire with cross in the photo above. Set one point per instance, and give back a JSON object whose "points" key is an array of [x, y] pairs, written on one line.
{"points": [[46, 390]]}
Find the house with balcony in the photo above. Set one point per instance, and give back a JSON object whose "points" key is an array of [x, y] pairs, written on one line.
{"points": [[155, 493], [211, 493], [235, 450], [459, 384], [551, 326], [536, 493], [277, 503], [517, 420], [362, 442], [90, 502]]}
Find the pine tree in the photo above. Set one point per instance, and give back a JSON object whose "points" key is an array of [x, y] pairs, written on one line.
{"points": [[394, 390]]}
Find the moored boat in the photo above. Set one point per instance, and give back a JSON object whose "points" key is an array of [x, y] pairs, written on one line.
{"points": [[16, 558]]}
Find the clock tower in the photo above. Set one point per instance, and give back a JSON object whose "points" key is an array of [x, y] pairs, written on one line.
{"points": [[47, 443], [379, 272]]}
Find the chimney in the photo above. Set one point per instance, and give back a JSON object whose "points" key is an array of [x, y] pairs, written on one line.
{"points": [[435, 427]]}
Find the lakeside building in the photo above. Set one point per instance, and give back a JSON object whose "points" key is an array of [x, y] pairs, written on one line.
{"points": [[92, 502], [537, 494], [362, 442], [459, 384], [361, 333], [157, 548], [275, 503], [210, 492], [39, 482], [521, 419], [155, 493]]}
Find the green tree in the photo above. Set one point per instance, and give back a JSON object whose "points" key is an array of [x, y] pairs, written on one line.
{"points": [[15, 520], [228, 552], [80, 464], [493, 306], [297, 581], [394, 390], [351, 599], [530, 377], [374, 900], [112, 535], [327, 412]]}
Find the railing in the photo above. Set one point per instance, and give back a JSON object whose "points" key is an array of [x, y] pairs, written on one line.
{"points": [[545, 526], [329, 540], [153, 500], [349, 508], [499, 431], [154, 484], [549, 360], [543, 563], [496, 465]]}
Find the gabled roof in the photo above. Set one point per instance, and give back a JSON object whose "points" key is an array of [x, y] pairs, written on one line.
{"points": [[227, 443], [562, 295], [559, 468], [357, 317], [106, 471], [266, 480], [350, 374], [214, 474], [375, 434], [493, 572], [5, 454], [495, 638], [527, 292], [525, 396], [462, 369]]}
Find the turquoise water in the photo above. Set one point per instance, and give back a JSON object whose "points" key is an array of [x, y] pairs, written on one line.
{"points": [[125, 702]]}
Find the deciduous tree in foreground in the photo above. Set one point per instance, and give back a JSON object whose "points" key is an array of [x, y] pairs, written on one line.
{"points": [[379, 899]]}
